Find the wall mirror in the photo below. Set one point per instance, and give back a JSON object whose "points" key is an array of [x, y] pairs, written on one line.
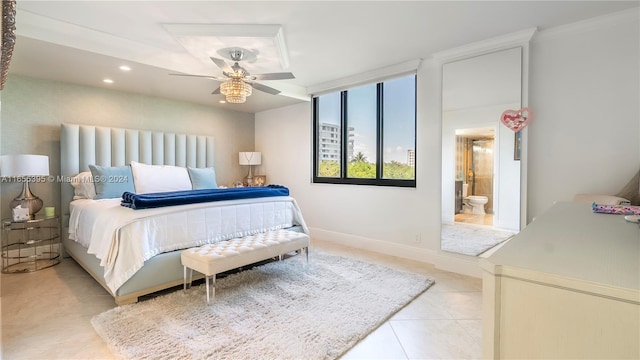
{"points": [[481, 158]]}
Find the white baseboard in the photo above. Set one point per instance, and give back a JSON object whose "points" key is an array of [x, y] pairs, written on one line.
{"points": [[444, 261]]}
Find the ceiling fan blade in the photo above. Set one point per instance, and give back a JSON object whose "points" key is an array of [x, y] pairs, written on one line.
{"points": [[222, 64], [202, 76], [216, 91], [265, 88], [274, 76]]}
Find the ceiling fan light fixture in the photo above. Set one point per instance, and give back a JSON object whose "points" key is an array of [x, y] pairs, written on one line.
{"points": [[235, 90]]}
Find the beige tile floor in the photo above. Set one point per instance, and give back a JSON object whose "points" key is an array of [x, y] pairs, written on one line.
{"points": [[46, 315]]}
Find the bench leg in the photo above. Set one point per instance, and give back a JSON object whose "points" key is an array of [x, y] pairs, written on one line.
{"points": [[187, 279], [280, 257], [211, 289]]}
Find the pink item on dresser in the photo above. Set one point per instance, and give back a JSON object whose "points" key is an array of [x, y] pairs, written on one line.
{"points": [[616, 209]]}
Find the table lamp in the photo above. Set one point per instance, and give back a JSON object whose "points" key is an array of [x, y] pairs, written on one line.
{"points": [[22, 168], [250, 158]]}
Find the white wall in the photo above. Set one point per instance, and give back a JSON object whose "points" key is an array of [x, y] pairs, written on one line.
{"points": [[585, 95], [384, 213], [584, 138]]}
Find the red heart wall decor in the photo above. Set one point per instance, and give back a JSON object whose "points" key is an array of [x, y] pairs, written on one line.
{"points": [[517, 120]]}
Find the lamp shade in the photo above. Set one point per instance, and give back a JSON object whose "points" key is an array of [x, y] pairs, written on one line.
{"points": [[250, 158], [24, 165]]}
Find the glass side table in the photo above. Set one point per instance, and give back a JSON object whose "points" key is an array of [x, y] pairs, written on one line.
{"points": [[30, 245]]}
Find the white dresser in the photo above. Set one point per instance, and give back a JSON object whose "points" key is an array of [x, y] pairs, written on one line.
{"points": [[566, 287]]}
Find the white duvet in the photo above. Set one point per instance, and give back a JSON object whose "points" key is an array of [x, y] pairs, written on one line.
{"points": [[123, 239]]}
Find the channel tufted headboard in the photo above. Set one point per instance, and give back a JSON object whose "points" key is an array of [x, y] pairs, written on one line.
{"points": [[82, 145]]}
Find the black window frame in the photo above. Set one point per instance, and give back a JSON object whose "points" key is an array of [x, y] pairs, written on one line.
{"points": [[379, 180]]}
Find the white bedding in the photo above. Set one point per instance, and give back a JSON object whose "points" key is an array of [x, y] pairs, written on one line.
{"points": [[123, 238]]}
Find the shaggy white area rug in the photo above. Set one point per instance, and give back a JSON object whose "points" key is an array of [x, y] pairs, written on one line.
{"points": [[471, 239], [281, 310]]}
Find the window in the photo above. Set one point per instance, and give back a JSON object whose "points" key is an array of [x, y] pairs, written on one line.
{"points": [[361, 146], [366, 135]]}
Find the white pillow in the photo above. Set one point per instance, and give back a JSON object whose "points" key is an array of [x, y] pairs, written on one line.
{"points": [[159, 178], [83, 187]]}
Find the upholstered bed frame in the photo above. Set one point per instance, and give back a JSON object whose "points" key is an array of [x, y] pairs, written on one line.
{"points": [[81, 145]]}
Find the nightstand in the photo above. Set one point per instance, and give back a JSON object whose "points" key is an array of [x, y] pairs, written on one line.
{"points": [[30, 245]]}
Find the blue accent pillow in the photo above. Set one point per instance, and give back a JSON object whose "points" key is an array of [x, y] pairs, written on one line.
{"points": [[202, 178], [111, 181]]}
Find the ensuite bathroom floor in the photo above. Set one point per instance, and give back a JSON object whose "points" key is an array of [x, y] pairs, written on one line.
{"points": [[477, 219]]}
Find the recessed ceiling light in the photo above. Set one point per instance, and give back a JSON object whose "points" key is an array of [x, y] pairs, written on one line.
{"points": [[222, 102], [125, 68], [108, 81]]}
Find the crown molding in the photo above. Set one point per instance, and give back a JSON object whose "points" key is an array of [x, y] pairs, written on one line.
{"points": [[377, 75], [486, 46], [612, 19]]}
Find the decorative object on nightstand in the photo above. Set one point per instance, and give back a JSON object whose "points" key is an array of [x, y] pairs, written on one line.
{"points": [[49, 212], [250, 158], [30, 245], [260, 180], [23, 168]]}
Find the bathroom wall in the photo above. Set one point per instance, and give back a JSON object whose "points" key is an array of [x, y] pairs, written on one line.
{"points": [[483, 158]]}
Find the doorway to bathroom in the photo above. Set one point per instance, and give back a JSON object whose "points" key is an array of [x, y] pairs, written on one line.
{"points": [[474, 166], [482, 184]]}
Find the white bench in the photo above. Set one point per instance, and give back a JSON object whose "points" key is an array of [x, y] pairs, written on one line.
{"points": [[212, 259]]}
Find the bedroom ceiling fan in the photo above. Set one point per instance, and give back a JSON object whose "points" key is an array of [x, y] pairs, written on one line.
{"points": [[238, 82]]}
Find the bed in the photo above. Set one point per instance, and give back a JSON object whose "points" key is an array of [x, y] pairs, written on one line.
{"points": [[132, 253]]}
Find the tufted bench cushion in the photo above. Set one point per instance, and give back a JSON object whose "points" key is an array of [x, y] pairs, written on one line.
{"points": [[212, 259]]}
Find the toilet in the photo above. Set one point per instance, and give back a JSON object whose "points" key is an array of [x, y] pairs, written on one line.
{"points": [[473, 204]]}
